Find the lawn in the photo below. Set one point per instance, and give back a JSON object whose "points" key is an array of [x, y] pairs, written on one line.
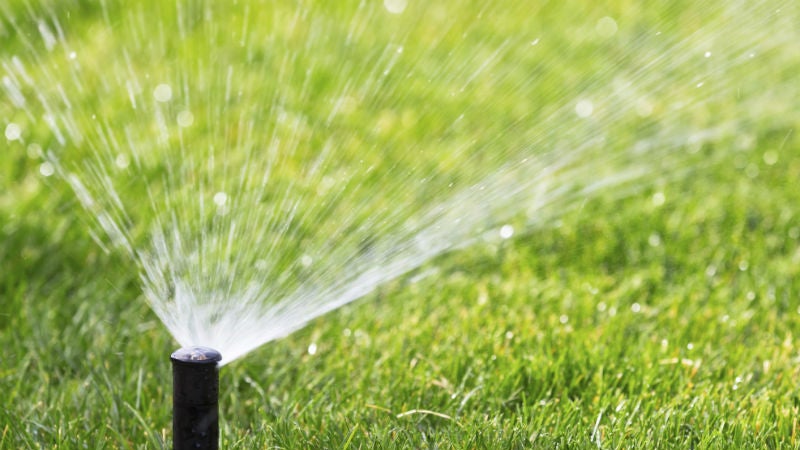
{"points": [[648, 297]]}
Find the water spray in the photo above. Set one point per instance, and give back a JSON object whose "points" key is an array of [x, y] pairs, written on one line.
{"points": [[195, 398]]}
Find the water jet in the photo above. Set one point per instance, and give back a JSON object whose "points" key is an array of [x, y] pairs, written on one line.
{"points": [[195, 398]]}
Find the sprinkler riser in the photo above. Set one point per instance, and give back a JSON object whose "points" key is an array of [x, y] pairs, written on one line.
{"points": [[195, 399]]}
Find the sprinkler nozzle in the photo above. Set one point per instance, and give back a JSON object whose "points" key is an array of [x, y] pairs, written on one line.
{"points": [[195, 398]]}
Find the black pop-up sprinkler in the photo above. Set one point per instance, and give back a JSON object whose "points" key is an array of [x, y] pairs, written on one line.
{"points": [[195, 397]]}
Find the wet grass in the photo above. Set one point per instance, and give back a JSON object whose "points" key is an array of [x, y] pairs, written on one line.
{"points": [[662, 320]]}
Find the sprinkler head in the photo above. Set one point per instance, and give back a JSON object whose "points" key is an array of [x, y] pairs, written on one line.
{"points": [[195, 396]]}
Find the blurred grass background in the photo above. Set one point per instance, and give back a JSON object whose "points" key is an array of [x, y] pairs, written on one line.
{"points": [[665, 319]]}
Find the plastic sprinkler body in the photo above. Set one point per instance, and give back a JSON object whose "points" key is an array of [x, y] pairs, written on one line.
{"points": [[195, 398]]}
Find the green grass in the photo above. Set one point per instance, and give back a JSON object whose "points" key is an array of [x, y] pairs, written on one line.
{"points": [[631, 323]]}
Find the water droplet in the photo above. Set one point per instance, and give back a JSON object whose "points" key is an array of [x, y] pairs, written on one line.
{"points": [[163, 93], [395, 6], [506, 231], [690, 346], [606, 27], [312, 349], [122, 161], [185, 119], [707, 54], [34, 151], [654, 240], [743, 265], [47, 36], [306, 260], [659, 199], [535, 42], [563, 319], [509, 335], [13, 131], [636, 307], [745, 141], [601, 306], [46, 169], [73, 55], [770, 157], [750, 296], [220, 198], [584, 108], [751, 171]]}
